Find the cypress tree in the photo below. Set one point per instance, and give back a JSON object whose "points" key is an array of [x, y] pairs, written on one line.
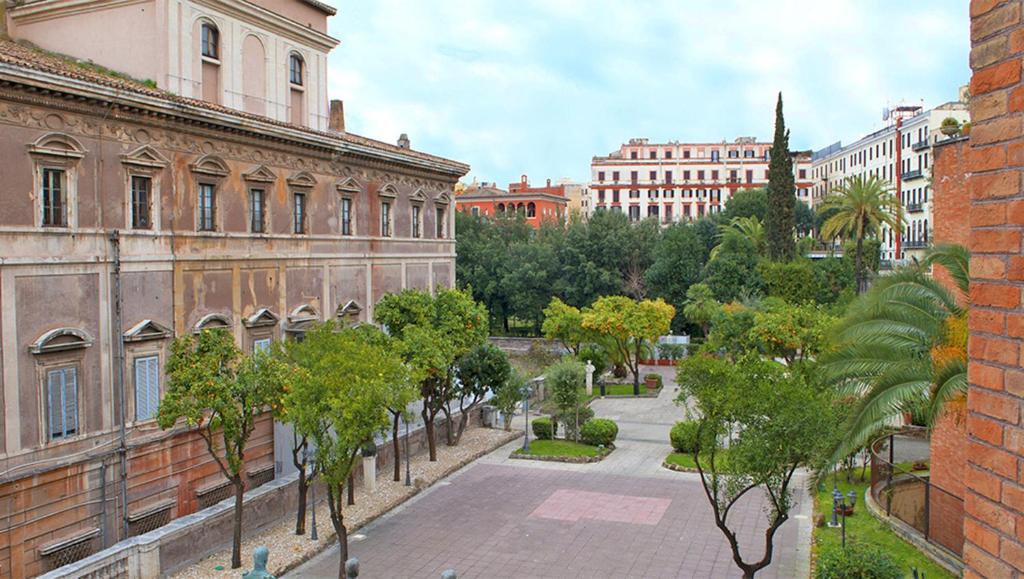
{"points": [[780, 221]]}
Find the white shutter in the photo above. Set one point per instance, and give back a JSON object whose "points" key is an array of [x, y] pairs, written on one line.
{"points": [[54, 406], [147, 387], [70, 393]]}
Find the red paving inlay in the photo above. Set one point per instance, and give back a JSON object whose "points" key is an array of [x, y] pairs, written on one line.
{"points": [[573, 505]]}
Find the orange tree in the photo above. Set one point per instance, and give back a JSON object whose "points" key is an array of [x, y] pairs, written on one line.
{"points": [[628, 325], [221, 392]]}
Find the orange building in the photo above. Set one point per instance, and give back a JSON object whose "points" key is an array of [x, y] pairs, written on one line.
{"points": [[535, 204]]}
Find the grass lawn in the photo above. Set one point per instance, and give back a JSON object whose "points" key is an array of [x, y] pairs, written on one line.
{"points": [[619, 389], [558, 447], [865, 528]]}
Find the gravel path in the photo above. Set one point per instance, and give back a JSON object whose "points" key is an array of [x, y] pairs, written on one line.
{"points": [[287, 550]]}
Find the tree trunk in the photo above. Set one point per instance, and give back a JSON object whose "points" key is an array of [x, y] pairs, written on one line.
{"points": [[449, 433], [334, 502], [858, 265], [352, 489], [300, 517], [236, 539], [463, 420], [636, 370], [428, 425], [396, 447]]}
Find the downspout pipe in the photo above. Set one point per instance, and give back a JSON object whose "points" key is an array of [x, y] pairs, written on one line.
{"points": [[115, 242]]}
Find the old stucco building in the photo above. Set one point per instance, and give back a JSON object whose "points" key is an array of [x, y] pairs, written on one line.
{"points": [[219, 191]]}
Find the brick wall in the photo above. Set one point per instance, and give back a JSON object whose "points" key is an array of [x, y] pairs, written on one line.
{"points": [[994, 502]]}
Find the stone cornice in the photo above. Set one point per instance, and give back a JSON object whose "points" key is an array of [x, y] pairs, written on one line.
{"points": [[224, 121]]}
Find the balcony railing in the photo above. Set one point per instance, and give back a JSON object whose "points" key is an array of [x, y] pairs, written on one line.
{"points": [[915, 244], [921, 145], [911, 175], [915, 207]]}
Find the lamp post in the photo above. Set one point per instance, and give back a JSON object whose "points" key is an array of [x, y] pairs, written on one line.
{"points": [[408, 476], [839, 507], [526, 416], [312, 489]]}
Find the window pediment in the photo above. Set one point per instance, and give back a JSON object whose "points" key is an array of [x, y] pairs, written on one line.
{"points": [[262, 318], [213, 322], [442, 199], [61, 339], [349, 310], [145, 156], [389, 191], [350, 186], [147, 330], [210, 165], [418, 196], [302, 317], [302, 179], [260, 174], [57, 145]]}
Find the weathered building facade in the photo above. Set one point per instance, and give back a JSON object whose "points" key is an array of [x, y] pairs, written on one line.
{"points": [[130, 215]]}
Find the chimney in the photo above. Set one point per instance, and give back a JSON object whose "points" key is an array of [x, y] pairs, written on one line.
{"points": [[549, 182], [403, 141], [337, 119]]}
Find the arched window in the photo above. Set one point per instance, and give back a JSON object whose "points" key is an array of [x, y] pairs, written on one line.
{"points": [[210, 41], [501, 207], [531, 209], [295, 69]]}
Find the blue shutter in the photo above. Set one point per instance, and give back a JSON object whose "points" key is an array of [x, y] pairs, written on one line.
{"points": [[147, 387]]}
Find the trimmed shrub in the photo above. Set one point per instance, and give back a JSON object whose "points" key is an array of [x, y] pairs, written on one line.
{"points": [[543, 428], [684, 436], [857, 561], [599, 432], [568, 421]]}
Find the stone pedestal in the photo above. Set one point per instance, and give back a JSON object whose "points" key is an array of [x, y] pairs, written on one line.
{"points": [[370, 473]]}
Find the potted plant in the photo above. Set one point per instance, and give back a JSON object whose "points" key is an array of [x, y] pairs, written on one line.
{"points": [[965, 129], [652, 381], [950, 127], [369, 452]]}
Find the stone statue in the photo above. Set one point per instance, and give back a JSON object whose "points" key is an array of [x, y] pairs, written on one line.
{"points": [[352, 568], [259, 565], [590, 378]]}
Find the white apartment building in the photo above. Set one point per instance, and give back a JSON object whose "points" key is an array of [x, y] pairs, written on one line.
{"points": [[684, 181], [900, 153]]}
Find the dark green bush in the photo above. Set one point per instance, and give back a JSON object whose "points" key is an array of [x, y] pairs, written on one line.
{"points": [[597, 356], [543, 428], [857, 561], [599, 432], [568, 421], [684, 436]]}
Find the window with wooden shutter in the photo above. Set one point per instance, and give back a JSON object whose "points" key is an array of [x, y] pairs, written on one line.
{"points": [[62, 402], [147, 387]]}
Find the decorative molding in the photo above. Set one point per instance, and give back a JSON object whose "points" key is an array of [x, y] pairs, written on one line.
{"points": [[302, 318], [388, 190], [210, 165], [147, 330], [146, 157], [61, 339], [418, 196], [260, 174], [350, 186], [57, 145], [262, 318], [213, 322], [302, 179], [443, 199]]}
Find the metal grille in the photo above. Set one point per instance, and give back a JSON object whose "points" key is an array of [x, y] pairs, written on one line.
{"points": [[209, 496], [261, 476], [149, 519], [69, 551]]}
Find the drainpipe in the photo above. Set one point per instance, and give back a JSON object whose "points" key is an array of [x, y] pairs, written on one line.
{"points": [[115, 241], [899, 188]]}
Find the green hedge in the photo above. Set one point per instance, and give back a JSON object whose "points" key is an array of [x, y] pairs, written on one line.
{"points": [[543, 428], [599, 432], [683, 436], [857, 561]]}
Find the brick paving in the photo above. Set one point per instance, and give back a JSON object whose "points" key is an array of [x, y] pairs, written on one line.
{"points": [[623, 517]]}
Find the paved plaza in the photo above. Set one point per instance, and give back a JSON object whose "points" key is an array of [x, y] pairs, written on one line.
{"points": [[623, 517]]}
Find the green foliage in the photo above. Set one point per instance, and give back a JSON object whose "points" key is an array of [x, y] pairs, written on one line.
{"points": [[741, 232], [730, 333], [805, 217], [859, 208], [560, 448], [599, 432], [482, 369], [794, 281], [701, 308], [565, 379], [780, 223], [655, 377], [678, 260], [543, 428], [628, 325], [683, 436], [835, 279], [747, 203], [507, 396], [733, 272], [564, 323], [530, 273], [597, 357], [793, 333], [857, 561], [569, 420], [212, 385], [483, 247]]}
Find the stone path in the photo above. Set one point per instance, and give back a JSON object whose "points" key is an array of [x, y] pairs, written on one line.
{"points": [[623, 517]]}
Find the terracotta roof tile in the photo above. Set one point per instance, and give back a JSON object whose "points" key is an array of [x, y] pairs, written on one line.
{"points": [[25, 56]]}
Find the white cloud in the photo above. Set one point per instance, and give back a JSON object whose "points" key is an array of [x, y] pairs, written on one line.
{"points": [[540, 86]]}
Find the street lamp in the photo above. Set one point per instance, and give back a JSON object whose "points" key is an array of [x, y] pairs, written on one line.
{"points": [[840, 507], [526, 416]]}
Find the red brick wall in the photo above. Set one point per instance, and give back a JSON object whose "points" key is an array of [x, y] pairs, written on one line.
{"points": [[994, 505]]}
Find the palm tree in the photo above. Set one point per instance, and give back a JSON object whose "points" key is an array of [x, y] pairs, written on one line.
{"points": [[861, 206], [741, 229], [701, 307], [902, 346]]}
